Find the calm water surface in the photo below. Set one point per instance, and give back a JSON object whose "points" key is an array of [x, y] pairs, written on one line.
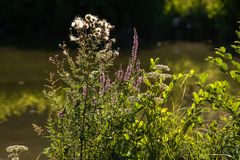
{"points": [[22, 69]]}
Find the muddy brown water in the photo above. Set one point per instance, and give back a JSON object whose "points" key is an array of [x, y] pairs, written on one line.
{"points": [[18, 130]]}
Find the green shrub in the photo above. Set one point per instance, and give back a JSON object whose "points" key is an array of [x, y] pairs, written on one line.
{"points": [[97, 115]]}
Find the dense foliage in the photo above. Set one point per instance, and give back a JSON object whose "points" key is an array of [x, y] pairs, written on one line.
{"points": [[20, 103], [219, 16], [128, 115], [155, 19]]}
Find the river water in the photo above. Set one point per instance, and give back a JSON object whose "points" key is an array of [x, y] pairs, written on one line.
{"points": [[26, 69]]}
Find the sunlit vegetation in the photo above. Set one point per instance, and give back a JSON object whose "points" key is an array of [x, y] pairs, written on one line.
{"points": [[130, 115], [217, 16], [21, 102], [164, 99], [211, 8]]}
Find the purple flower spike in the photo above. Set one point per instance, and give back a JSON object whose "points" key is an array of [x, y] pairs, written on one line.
{"points": [[108, 84], [138, 66], [84, 91], [102, 78], [128, 72], [119, 74], [135, 45], [139, 81]]}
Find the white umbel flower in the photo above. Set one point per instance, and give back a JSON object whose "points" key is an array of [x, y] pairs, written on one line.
{"points": [[162, 67]]}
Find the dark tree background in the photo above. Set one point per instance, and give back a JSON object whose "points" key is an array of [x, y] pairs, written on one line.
{"points": [[43, 21]]}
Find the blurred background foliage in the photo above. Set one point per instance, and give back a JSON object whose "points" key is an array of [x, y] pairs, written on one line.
{"points": [[155, 20], [19, 103], [180, 32]]}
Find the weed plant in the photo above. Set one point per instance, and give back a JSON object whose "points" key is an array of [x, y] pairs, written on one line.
{"points": [[128, 115], [15, 151]]}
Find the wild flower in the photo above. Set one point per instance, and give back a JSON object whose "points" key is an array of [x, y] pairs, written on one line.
{"points": [[91, 18], [95, 104], [128, 72], [138, 66], [97, 29], [102, 78], [79, 23], [165, 76], [156, 75], [135, 46], [15, 151], [119, 74], [162, 67], [138, 82], [130, 116], [107, 84]]}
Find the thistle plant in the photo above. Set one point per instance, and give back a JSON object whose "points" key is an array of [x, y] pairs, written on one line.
{"points": [[15, 151], [97, 115], [77, 124]]}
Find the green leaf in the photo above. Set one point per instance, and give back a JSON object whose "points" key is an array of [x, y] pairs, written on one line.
{"points": [[164, 110], [152, 63], [222, 66], [236, 64], [235, 74], [147, 82], [165, 95], [236, 106], [222, 49], [200, 120], [126, 136], [140, 124], [228, 56], [203, 77]]}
